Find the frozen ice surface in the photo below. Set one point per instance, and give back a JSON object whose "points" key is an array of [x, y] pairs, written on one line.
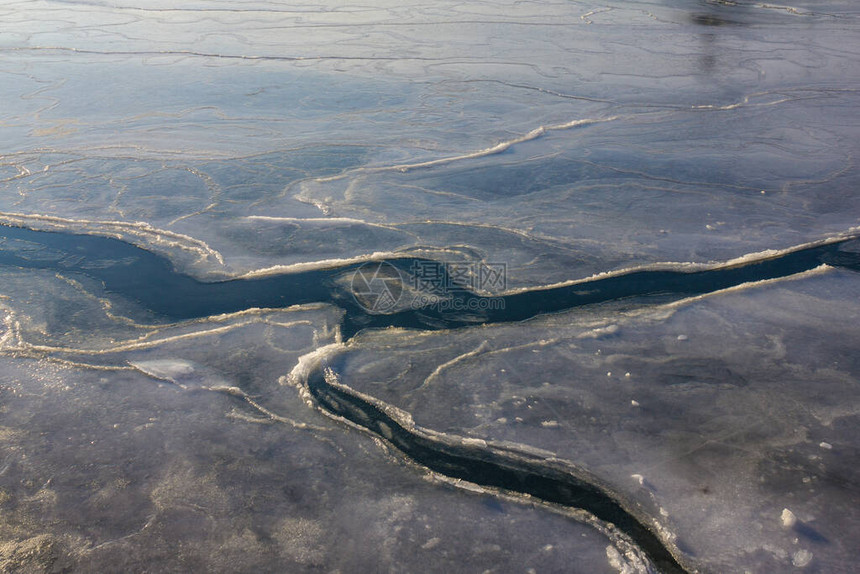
{"points": [[119, 469], [723, 443], [647, 131], [561, 139]]}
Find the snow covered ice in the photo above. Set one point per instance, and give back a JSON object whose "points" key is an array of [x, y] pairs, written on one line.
{"points": [[189, 380]]}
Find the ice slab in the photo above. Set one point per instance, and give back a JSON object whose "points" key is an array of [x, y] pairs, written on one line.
{"points": [[181, 450], [710, 413]]}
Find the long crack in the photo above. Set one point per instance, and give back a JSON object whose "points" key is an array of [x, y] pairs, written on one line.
{"points": [[150, 281]]}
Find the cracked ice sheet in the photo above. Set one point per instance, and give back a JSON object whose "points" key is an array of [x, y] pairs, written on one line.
{"points": [[178, 447], [201, 118], [715, 414]]}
